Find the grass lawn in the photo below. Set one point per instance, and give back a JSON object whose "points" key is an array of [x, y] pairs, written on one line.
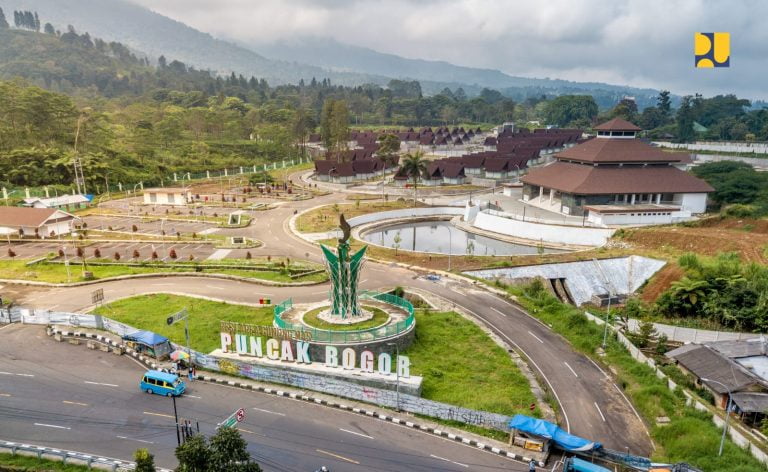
{"points": [[150, 311], [689, 437], [379, 318], [327, 218], [57, 273], [462, 366], [33, 464]]}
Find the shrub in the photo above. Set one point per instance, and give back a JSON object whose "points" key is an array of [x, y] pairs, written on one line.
{"points": [[154, 255], [61, 252], [172, 254], [79, 252], [136, 254], [117, 256], [97, 253], [11, 254], [191, 257], [248, 255], [134, 228]]}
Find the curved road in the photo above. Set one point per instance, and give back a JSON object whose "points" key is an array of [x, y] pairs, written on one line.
{"points": [[592, 405], [68, 397]]}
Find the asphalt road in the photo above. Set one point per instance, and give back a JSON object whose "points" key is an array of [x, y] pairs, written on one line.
{"points": [[592, 405], [64, 396]]}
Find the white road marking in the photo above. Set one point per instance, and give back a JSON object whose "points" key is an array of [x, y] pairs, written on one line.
{"points": [[318, 293], [20, 375], [193, 396], [99, 383], [499, 311], [74, 403], [52, 426], [364, 281], [599, 411], [270, 412], [571, 369], [448, 460], [598, 368], [213, 287], [134, 439], [356, 434], [537, 338], [530, 359]]}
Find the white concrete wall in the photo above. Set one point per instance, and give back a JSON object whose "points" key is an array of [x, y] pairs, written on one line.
{"points": [[405, 213], [575, 235], [470, 212], [693, 202]]}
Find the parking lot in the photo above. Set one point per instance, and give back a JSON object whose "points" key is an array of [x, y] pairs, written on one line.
{"points": [[199, 251], [171, 228]]}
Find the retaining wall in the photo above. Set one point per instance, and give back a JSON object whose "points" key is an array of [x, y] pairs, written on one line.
{"points": [[405, 213], [570, 235]]}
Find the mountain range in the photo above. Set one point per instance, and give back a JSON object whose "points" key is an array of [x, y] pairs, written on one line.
{"points": [[153, 34]]}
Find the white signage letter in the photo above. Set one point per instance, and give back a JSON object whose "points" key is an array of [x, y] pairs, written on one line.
{"points": [[302, 352], [404, 366], [385, 363], [226, 341], [366, 361], [241, 344], [273, 349], [348, 358], [256, 347], [287, 352], [331, 356]]}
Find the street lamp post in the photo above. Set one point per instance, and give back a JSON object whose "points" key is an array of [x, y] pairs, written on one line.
{"points": [[607, 287], [397, 372], [450, 246], [727, 412]]}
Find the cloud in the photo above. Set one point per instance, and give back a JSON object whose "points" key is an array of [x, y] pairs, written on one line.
{"points": [[635, 42]]}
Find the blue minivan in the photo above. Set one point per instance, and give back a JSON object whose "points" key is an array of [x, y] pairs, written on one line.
{"points": [[162, 383]]}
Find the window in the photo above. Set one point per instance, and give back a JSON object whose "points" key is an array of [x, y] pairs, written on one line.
{"points": [[153, 197], [171, 198], [151, 381], [144, 379]]}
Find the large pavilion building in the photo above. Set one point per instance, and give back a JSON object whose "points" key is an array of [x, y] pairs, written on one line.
{"points": [[616, 178]]}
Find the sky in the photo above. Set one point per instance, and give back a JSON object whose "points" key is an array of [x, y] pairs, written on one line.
{"points": [[644, 43]]}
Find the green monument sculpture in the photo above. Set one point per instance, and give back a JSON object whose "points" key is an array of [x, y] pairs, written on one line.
{"points": [[344, 270]]}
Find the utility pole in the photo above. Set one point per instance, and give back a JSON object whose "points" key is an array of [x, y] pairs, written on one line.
{"points": [[78, 165]]}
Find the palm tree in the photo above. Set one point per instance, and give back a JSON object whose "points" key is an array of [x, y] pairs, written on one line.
{"points": [[414, 166]]}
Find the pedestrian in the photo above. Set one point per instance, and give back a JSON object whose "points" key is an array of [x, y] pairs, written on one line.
{"points": [[192, 372], [532, 466], [175, 367]]}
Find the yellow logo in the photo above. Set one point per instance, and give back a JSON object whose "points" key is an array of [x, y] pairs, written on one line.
{"points": [[712, 50]]}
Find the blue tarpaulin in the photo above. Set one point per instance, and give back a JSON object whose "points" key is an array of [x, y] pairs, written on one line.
{"points": [[146, 337], [150, 343], [578, 465], [545, 429]]}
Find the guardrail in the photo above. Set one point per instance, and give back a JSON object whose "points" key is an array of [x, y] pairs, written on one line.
{"points": [[364, 335], [62, 455]]}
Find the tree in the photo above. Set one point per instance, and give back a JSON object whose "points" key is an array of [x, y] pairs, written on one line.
{"points": [[145, 462], [340, 125], [326, 119], [625, 109], [3, 21], [229, 451], [685, 120], [414, 166], [49, 29], [389, 145], [663, 103], [226, 451], [689, 290], [566, 109], [194, 455]]}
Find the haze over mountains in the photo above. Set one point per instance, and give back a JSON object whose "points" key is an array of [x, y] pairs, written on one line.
{"points": [[288, 62]]}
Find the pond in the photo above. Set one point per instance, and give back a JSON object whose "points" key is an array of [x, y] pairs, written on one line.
{"points": [[433, 236]]}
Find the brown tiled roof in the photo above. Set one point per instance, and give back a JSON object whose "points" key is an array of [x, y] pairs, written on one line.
{"points": [[617, 150], [496, 164], [583, 179], [617, 124], [364, 166], [453, 170], [16, 217]]}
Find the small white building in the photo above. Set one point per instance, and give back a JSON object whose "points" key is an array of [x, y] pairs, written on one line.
{"points": [[41, 222], [167, 196]]}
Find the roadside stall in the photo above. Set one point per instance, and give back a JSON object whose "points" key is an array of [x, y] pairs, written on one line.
{"points": [[149, 343]]}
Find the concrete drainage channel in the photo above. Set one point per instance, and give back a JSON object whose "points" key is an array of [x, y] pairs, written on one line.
{"points": [[60, 334]]}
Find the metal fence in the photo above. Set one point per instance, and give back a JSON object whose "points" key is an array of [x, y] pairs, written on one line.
{"points": [[364, 335], [68, 456]]}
